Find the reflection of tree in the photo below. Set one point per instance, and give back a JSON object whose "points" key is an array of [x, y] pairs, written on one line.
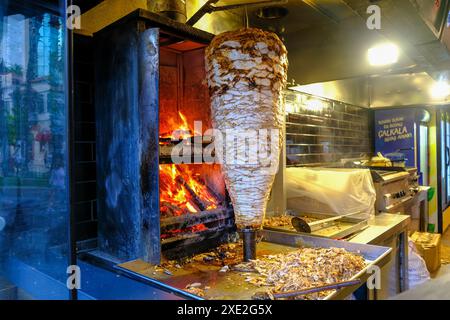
{"points": [[15, 69], [14, 125], [3, 120], [30, 96], [55, 98]]}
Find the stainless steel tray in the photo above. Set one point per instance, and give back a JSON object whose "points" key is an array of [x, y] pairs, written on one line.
{"points": [[338, 230], [231, 285]]}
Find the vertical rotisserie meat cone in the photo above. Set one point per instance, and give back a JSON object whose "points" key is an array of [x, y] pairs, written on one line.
{"points": [[246, 74]]}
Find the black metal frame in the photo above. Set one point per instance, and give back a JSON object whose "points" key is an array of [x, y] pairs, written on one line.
{"points": [[127, 101], [440, 187], [71, 142]]}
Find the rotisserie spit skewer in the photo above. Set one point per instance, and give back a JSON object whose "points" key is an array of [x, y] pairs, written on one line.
{"points": [[246, 73]]}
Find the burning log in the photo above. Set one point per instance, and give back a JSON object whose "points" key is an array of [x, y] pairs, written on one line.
{"points": [[217, 197], [199, 202], [192, 219], [246, 73], [192, 237], [179, 186], [170, 209]]}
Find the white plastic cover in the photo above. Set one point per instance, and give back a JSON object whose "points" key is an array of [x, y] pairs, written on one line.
{"points": [[417, 268], [331, 191]]}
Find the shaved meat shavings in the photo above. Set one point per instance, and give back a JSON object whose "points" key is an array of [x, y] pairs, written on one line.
{"points": [[278, 221], [246, 72], [302, 269], [197, 291], [284, 221]]}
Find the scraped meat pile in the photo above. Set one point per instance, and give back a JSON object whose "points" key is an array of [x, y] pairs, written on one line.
{"points": [[284, 221], [278, 221], [300, 269], [304, 268]]}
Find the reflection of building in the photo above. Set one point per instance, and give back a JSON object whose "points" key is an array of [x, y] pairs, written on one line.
{"points": [[15, 42], [31, 89], [9, 81]]}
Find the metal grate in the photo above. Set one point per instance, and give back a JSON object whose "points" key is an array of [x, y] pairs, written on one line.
{"points": [[321, 131]]}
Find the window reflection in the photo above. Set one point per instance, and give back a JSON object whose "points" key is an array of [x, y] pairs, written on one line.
{"points": [[33, 144]]}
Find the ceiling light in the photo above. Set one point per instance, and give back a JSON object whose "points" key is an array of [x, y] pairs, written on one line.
{"points": [[383, 54], [440, 90]]}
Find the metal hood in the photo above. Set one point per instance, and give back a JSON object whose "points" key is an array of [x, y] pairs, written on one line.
{"points": [[328, 39]]}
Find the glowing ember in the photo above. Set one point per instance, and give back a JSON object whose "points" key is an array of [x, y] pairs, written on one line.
{"points": [[182, 191], [173, 233]]}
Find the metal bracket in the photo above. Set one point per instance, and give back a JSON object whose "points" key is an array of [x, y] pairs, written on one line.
{"points": [[209, 8]]}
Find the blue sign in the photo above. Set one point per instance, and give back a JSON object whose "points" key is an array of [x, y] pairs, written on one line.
{"points": [[394, 132]]}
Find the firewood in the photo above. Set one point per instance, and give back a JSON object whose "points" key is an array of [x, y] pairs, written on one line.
{"points": [[174, 209], [219, 198], [199, 202]]}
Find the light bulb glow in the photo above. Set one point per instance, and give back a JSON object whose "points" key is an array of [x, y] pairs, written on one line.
{"points": [[440, 90], [383, 54]]}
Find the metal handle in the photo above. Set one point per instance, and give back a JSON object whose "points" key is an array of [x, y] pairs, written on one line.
{"points": [[447, 151], [291, 294], [319, 222]]}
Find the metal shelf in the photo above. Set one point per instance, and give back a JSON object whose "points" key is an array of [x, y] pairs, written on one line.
{"points": [[317, 126], [325, 136], [321, 154], [325, 118], [319, 145]]}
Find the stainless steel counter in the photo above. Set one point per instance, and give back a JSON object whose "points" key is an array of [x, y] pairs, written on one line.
{"points": [[389, 230], [381, 228]]}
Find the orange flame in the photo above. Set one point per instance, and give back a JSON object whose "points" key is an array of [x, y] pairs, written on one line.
{"points": [[173, 233], [183, 129], [181, 189], [178, 185]]}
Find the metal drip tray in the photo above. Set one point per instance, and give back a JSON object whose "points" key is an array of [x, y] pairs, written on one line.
{"points": [[231, 285]]}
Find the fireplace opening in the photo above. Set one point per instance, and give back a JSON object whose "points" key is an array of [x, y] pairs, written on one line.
{"points": [[195, 211], [150, 206]]}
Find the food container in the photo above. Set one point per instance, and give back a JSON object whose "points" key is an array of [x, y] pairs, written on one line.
{"points": [[397, 159]]}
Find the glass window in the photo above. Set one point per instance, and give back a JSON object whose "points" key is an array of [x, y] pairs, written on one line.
{"points": [[34, 215]]}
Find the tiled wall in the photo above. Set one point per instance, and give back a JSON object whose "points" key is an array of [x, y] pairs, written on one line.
{"points": [[85, 165], [321, 131]]}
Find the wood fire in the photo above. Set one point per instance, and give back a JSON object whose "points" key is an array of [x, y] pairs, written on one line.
{"points": [[182, 191]]}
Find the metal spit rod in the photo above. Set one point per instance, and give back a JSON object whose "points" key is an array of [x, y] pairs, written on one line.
{"points": [[249, 239], [209, 8]]}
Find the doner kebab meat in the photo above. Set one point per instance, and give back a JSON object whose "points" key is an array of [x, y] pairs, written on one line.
{"points": [[246, 75]]}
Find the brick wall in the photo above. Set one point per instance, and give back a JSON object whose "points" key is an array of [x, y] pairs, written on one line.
{"points": [[85, 165]]}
